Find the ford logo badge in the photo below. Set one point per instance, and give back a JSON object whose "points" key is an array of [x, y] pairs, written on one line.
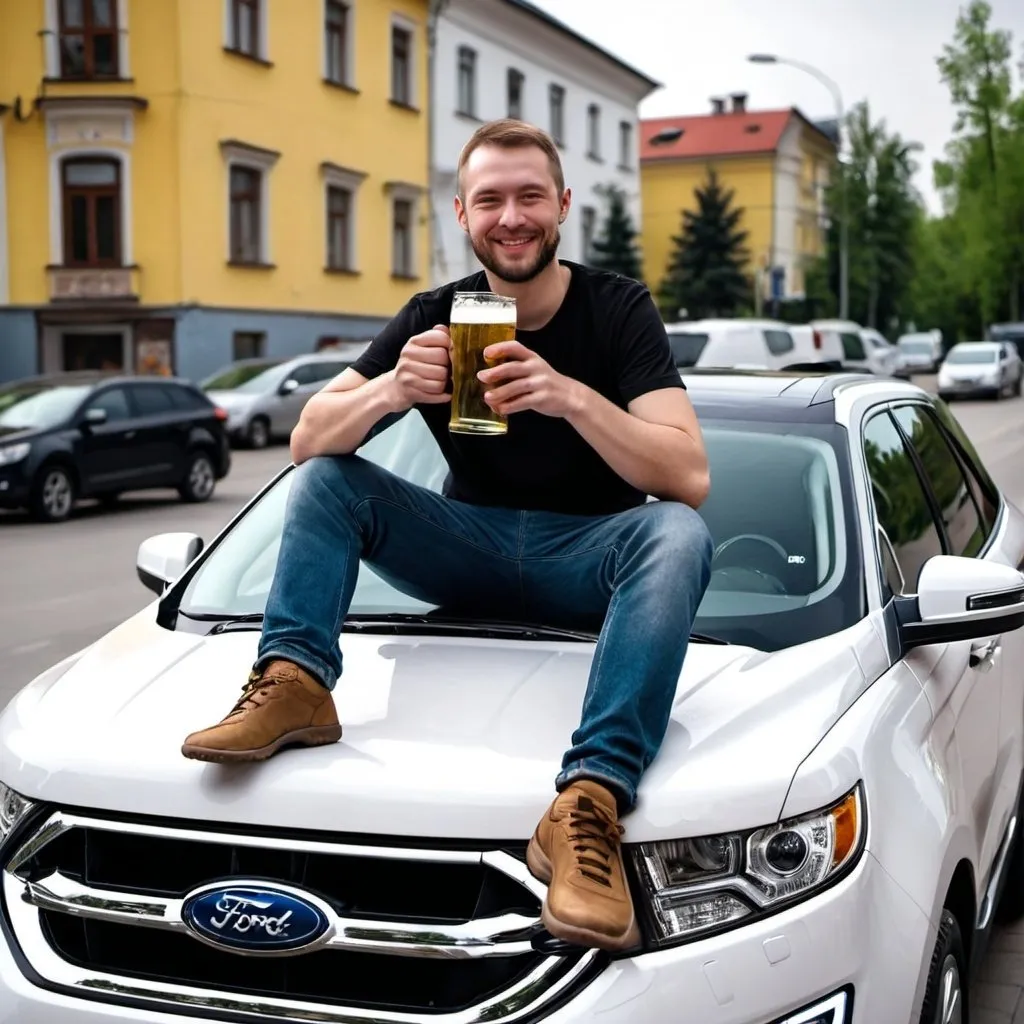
{"points": [[253, 918]]}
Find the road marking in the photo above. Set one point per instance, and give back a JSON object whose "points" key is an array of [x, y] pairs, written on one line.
{"points": [[38, 645]]}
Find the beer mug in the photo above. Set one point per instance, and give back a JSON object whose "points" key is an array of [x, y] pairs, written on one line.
{"points": [[478, 320]]}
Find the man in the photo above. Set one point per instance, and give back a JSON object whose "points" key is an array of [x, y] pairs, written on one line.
{"points": [[549, 522]]}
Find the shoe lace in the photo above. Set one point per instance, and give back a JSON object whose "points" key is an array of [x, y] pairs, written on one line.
{"points": [[595, 837], [254, 692]]}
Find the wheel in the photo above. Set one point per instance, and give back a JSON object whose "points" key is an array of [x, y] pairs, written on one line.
{"points": [[53, 494], [258, 434], [199, 480], [945, 998]]}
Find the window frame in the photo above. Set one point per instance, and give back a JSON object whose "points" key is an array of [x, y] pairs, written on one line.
{"points": [[338, 43], [400, 27], [556, 113], [593, 132], [88, 33], [233, 13], [466, 81], [625, 145], [588, 232], [91, 193], [256, 200], [260, 161], [408, 271], [515, 80], [333, 189]]}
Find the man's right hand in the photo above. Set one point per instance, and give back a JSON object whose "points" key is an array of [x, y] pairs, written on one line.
{"points": [[422, 372]]}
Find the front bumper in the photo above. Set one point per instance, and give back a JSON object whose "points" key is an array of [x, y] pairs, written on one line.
{"points": [[864, 937]]}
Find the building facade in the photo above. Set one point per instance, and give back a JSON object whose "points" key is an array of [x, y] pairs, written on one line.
{"points": [[187, 182], [776, 161], [507, 58]]}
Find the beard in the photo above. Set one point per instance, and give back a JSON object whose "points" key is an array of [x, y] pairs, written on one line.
{"points": [[520, 274]]}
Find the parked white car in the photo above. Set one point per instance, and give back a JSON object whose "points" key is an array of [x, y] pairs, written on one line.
{"points": [[881, 354], [750, 344], [920, 352], [858, 354], [986, 368], [825, 837]]}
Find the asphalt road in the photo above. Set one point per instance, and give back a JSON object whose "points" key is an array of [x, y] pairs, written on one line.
{"points": [[65, 585]]}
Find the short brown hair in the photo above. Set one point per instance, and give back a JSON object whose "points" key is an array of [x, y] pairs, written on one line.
{"points": [[512, 134]]}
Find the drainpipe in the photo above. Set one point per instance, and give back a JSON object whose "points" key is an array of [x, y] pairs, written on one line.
{"points": [[435, 245]]}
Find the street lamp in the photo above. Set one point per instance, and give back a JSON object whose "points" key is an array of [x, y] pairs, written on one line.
{"points": [[844, 214]]}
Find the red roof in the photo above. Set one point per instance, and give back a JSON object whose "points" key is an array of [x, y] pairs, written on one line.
{"points": [[727, 134]]}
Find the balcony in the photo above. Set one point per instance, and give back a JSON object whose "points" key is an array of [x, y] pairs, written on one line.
{"points": [[94, 284]]}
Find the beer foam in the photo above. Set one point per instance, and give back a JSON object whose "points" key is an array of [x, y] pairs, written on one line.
{"points": [[485, 313]]}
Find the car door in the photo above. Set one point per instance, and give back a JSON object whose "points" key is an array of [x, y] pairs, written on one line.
{"points": [[161, 435], [309, 378], [968, 676], [106, 455], [854, 354]]}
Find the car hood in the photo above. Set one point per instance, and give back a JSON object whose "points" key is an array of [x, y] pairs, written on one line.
{"points": [[12, 435], [968, 371], [443, 736]]}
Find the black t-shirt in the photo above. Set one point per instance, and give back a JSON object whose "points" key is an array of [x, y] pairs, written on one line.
{"points": [[607, 334]]}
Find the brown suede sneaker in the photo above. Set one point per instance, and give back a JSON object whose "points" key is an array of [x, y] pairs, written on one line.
{"points": [[282, 705], [576, 851]]}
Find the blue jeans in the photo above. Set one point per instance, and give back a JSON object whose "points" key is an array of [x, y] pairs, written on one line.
{"points": [[637, 576]]}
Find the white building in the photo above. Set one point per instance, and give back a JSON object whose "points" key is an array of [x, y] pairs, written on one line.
{"points": [[507, 58]]}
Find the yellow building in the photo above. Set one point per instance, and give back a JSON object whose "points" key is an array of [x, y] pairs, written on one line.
{"points": [[776, 161], [185, 182]]}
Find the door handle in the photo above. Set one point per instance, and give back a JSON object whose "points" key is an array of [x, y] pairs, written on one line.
{"points": [[983, 652]]}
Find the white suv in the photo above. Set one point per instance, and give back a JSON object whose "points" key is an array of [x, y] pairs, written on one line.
{"points": [[823, 839]]}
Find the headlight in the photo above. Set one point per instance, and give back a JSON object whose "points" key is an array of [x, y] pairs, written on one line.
{"points": [[12, 453], [715, 882], [13, 808]]}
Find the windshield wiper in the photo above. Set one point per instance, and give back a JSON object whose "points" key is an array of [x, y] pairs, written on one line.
{"points": [[425, 625]]}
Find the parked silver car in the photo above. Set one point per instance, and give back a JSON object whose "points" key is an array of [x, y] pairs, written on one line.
{"points": [[265, 397]]}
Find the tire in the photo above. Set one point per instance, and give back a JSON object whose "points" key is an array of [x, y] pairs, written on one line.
{"points": [[257, 435], [947, 977], [200, 479], [53, 494]]}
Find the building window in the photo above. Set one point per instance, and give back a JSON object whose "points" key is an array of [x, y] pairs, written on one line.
{"points": [[403, 239], [556, 105], [467, 81], [336, 32], [339, 228], [401, 65], [589, 219], [594, 131], [88, 39], [91, 189], [625, 145], [246, 215], [515, 83], [248, 345], [246, 26]]}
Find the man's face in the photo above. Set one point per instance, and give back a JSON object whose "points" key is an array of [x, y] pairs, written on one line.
{"points": [[511, 209]]}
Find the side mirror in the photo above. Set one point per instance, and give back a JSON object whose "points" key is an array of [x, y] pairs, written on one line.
{"points": [[94, 417], [961, 599], [163, 558], [290, 385]]}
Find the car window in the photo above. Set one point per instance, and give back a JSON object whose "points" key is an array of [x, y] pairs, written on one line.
{"points": [[779, 342], [686, 347], [187, 400], [942, 470], [853, 347], [114, 402], [316, 373], [902, 508], [152, 400]]}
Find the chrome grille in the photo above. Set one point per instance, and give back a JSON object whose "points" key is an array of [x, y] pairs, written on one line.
{"points": [[417, 933]]}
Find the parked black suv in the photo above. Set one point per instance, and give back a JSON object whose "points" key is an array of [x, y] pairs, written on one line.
{"points": [[94, 435]]}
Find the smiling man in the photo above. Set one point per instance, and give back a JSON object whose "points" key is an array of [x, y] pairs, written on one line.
{"points": [[549, 522]]}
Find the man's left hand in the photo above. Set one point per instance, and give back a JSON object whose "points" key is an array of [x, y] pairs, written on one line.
{"points": [[525, 381]]}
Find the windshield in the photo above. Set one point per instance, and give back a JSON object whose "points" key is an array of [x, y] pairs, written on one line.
{"points": [[782, 573], [916, 348], [686, 348], [247, 378], [39, 406], [972, 356]]}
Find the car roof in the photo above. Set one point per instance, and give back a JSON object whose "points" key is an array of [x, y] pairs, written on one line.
{"points": [[82, 378], [767, 392]]}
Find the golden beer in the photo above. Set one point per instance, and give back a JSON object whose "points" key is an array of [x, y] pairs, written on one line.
{"points": [[478, 319]]}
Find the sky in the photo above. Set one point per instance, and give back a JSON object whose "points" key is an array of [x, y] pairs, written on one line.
{"points": [[883, 51]]}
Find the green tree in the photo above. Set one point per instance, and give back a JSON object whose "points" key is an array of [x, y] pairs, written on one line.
{"points": [[884, 208], [706, 275], [616, 248]]}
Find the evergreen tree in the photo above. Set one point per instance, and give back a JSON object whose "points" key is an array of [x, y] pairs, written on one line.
{"points": [[616, 248], [705, 274]]}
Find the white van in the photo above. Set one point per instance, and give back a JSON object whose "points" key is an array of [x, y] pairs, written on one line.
{"points": [[750, 344], [856, 354], [921, 352]]}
